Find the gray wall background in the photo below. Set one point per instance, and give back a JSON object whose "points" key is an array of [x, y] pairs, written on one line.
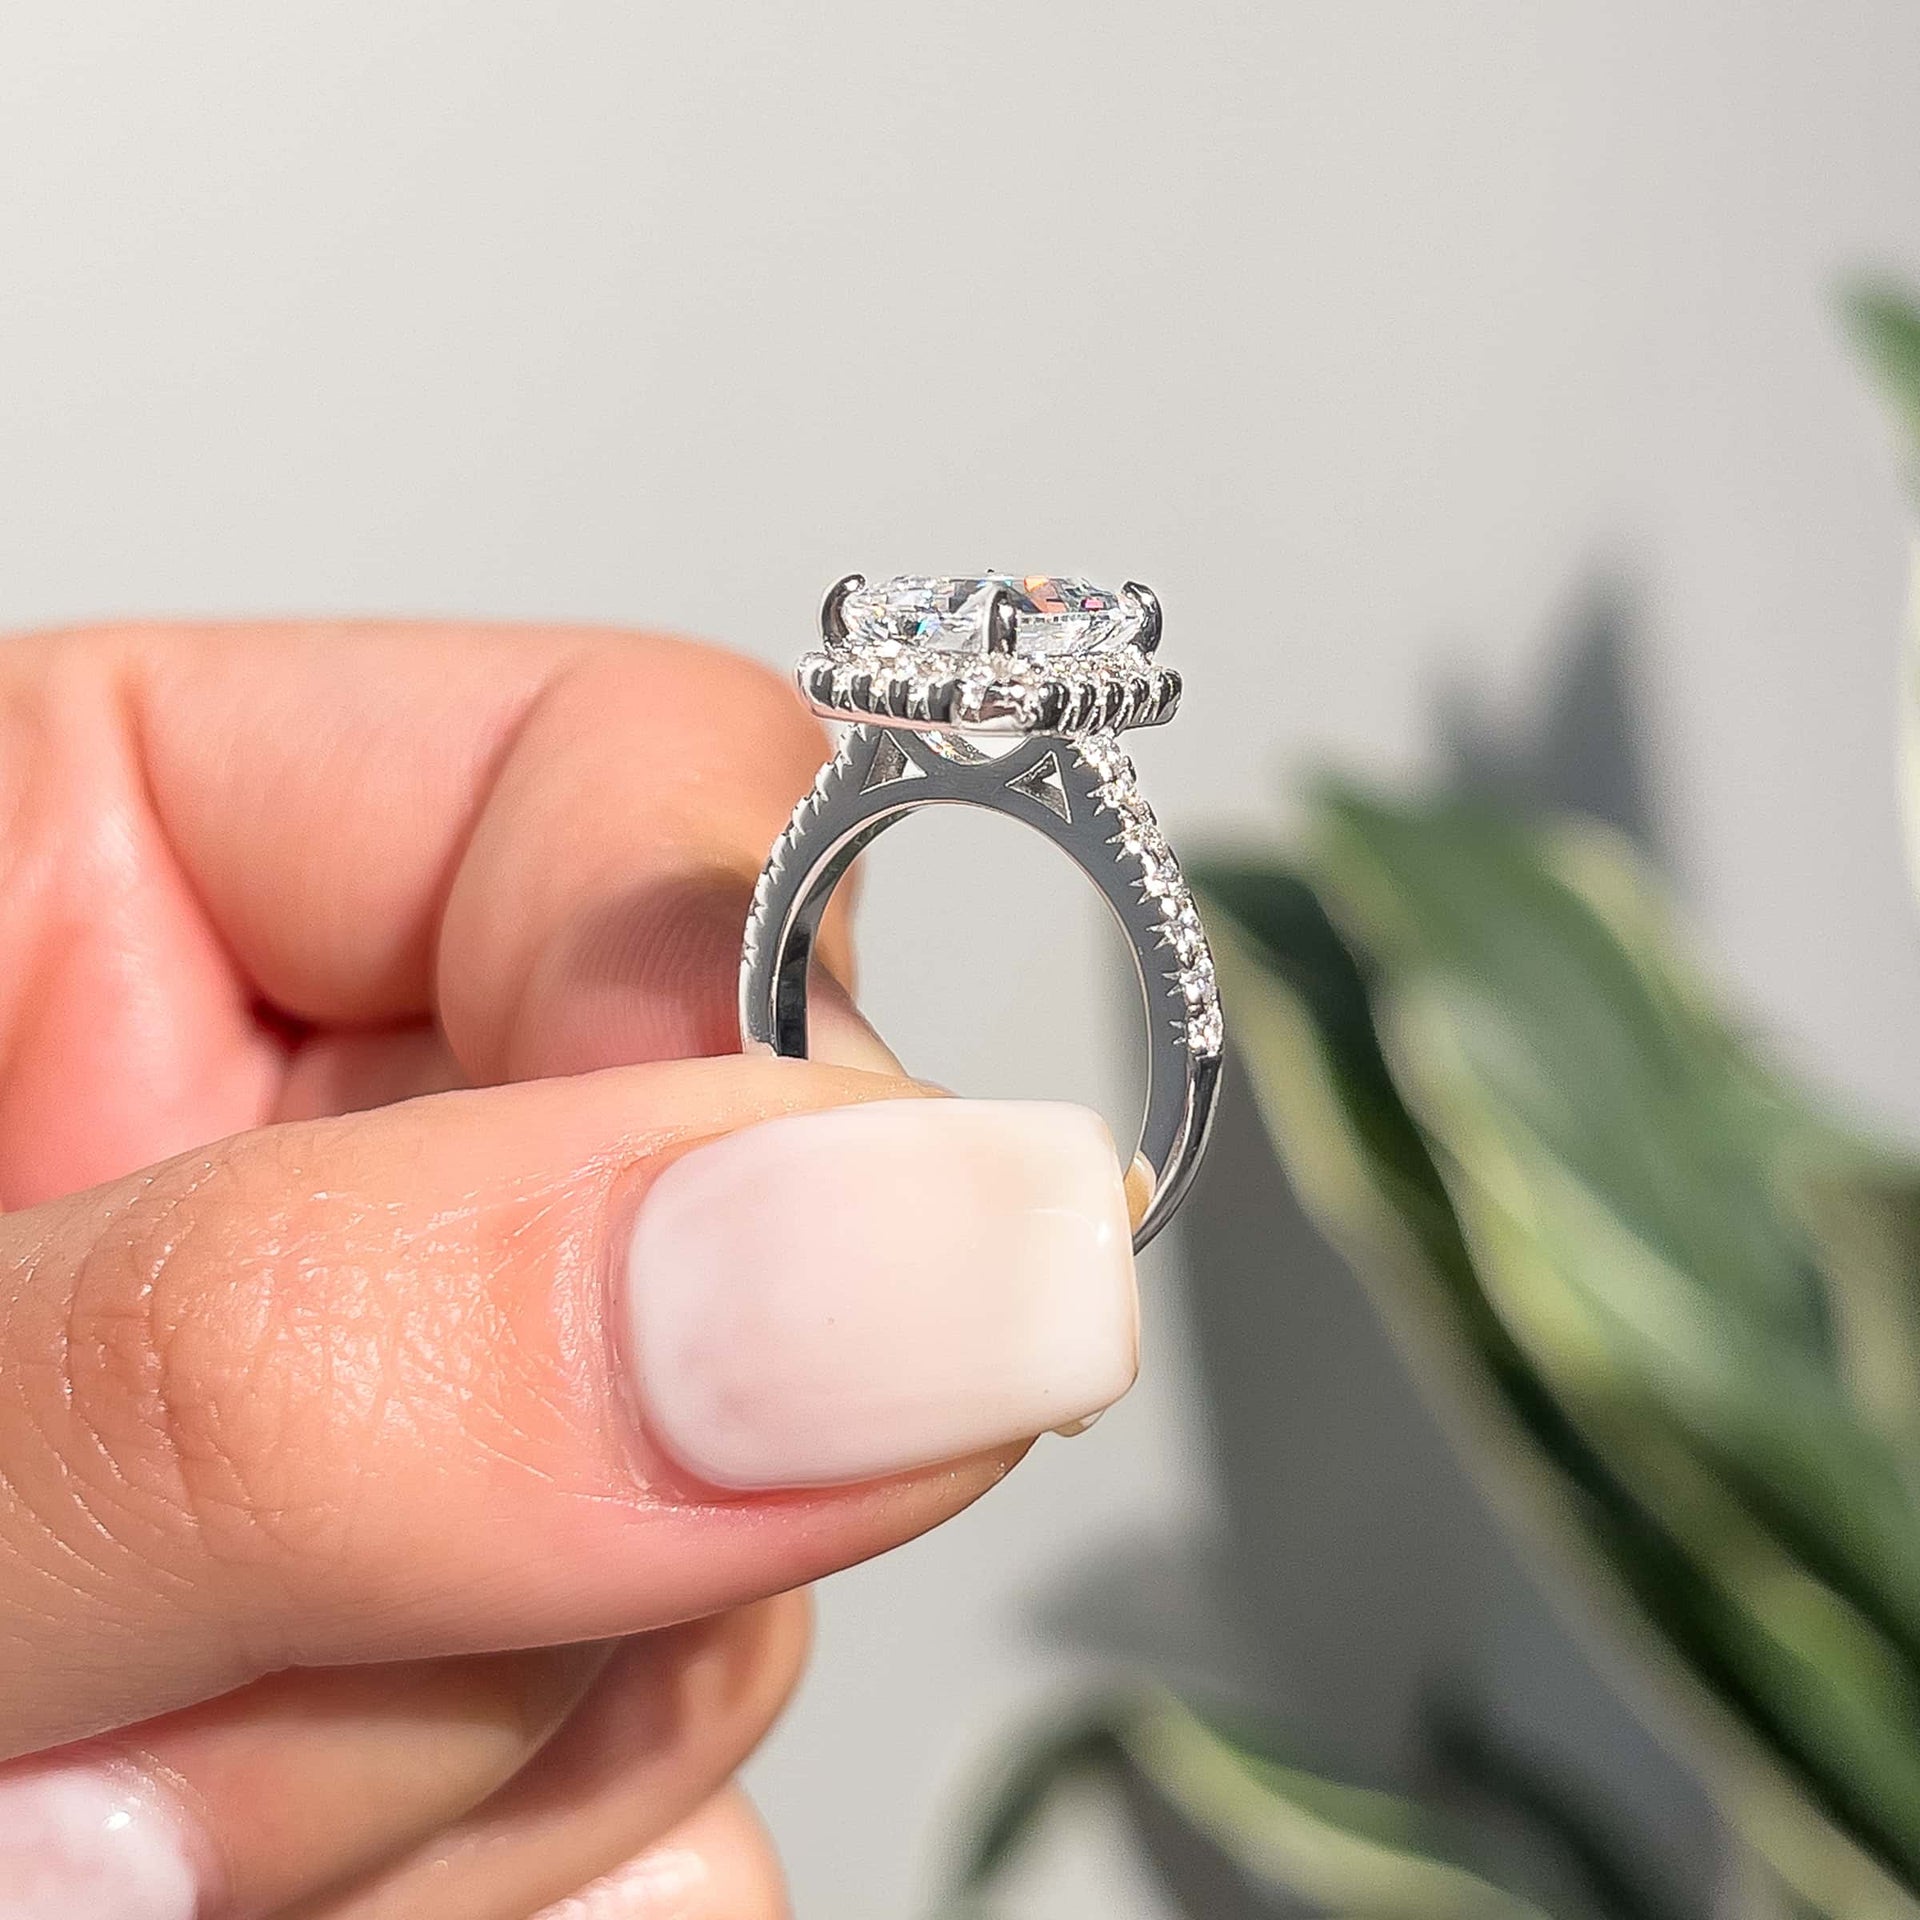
{"points": [[1379, 338]]}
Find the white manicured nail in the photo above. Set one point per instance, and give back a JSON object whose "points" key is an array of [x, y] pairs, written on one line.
{"points": [[81, 1843], [837, 1296]]}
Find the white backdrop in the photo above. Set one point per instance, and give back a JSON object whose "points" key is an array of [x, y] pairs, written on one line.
{"points": [[1373, 336]]}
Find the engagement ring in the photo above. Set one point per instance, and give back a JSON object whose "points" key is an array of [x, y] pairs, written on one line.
{"points": [[993, 691]]}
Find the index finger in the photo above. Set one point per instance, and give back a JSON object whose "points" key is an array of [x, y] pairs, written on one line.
{"points": [[532, 846], [527, 832]]}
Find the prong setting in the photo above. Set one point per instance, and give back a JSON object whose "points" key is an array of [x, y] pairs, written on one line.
{"points": [[1001, 624], [1144, 597], [833, 609]]}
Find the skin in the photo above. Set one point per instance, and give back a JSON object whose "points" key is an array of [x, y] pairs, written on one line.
{"points": [[354, 981]]}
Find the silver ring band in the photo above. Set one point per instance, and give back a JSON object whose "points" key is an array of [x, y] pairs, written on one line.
{"points": [[1079, 791]]}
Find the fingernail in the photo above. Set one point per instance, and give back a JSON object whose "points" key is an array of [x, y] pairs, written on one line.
{"points": [[837, 1296], [83, 1843]]}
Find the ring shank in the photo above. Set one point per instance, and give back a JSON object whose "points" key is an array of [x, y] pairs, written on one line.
{"points": [[1050, 783]]}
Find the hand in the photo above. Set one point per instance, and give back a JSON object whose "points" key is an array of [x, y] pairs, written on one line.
{"points": [[391, 1274]]}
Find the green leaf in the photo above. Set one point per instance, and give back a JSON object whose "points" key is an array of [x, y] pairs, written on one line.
{"points": [[1341, 1849], [1041, 1767], [1344, 1849], [1579, 1096], [1590, 1212], [1861, 1209], [1885, 323], [1568, 1035], [1727, 1449]]}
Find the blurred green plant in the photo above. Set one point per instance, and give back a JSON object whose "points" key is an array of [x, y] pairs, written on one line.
{"points": [[1346, 1849], [1672, 1303]]}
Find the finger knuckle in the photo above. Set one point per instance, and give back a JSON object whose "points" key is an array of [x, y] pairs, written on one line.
{"points": [[209, 1371]]}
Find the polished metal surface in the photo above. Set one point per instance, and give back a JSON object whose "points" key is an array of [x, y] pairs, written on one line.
{"points": [[1148, 638], [833, 609], [1002, 627], [1079, 792]]}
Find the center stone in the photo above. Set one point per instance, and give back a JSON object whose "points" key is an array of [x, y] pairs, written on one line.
{"points": [[1051, 615]]}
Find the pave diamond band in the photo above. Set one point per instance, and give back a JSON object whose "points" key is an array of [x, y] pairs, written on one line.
{"points": [[1066, 776], [1141, 843]]}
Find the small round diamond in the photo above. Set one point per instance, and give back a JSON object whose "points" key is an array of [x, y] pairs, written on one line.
{"points": [[1053, 615], [1190, 944]]}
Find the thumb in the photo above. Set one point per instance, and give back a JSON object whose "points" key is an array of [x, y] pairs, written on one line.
{"points": [[536, 1363]]}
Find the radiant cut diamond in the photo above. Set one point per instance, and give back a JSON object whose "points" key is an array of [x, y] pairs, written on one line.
{"points": [[1052, 615], [917, 651]]}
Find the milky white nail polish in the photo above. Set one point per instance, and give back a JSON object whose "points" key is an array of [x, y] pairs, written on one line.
{"points": [[837, 1296], [84, 1843]]}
